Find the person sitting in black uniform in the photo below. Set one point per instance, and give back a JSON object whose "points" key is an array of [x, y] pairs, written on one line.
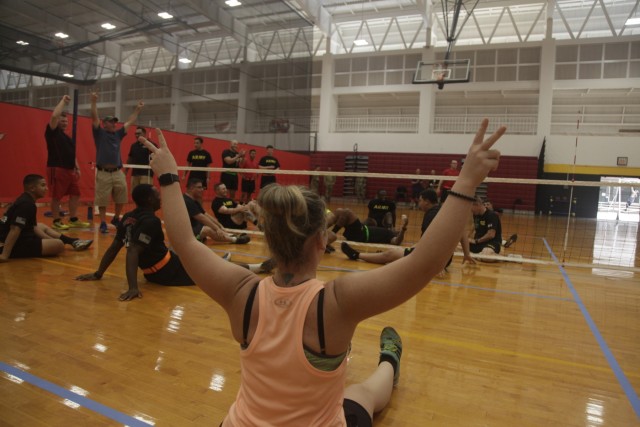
{"points": [[230, 214], [382, 211], [355, 231], [140, 231], [20, 234], [487, 238], [204, 225], [428, 203]]}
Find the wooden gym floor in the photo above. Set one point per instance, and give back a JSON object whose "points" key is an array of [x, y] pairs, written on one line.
{"points": [[504, 344]]}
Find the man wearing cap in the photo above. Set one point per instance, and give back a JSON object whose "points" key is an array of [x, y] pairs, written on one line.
{"points": [[231, 158], [110, 179]]}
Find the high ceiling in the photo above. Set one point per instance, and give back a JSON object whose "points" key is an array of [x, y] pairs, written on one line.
{"points": [[209, 32]]}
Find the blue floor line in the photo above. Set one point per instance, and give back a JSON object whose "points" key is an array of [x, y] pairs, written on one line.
{"points": [[613, 363], [73, 397]]}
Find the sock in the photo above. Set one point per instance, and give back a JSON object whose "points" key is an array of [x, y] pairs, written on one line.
{"points": [[67, 240], [255, 268], [234, 239], [387, 358]]}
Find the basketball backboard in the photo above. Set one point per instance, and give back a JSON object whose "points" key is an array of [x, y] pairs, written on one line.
{"points": [[442, 72]]}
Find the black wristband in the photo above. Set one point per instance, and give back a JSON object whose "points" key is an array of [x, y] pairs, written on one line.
{"points": [[168, 179], [462, 196]]}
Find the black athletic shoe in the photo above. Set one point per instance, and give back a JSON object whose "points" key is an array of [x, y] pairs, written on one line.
{"points": [[511, 241], [267, 266], [242, 239], [391, 350], [115, 220], [349, 251]]}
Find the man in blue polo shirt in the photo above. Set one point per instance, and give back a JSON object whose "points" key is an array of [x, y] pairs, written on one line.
{"points": [[110, 179]]}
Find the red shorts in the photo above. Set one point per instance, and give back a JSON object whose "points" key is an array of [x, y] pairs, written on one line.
{"points": [[62, 182]]}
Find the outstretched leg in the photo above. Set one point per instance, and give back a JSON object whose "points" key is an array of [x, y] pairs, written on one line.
{"points": [[375, 392]]}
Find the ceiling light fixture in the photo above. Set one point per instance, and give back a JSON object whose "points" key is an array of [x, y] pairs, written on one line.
{"points": [[360, 42], [233, 3], [61, 35], [108, 26], [67, 75], [22, 43], [165, 15], [185, 60], [632, 21]]}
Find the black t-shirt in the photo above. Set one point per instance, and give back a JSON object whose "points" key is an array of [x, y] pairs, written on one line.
{"points": [[193, 208], [268, 161], [139, 155], [199, 158], [225, 219], [144, 228], [229, 153], [61, 150], [21, 213], [489, 220], [378, 208], [428, 217]]}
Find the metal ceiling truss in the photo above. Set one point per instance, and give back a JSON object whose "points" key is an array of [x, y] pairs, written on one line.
{"points": [[228, 40]]}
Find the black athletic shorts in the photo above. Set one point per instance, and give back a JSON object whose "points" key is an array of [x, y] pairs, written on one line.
{"points": [[476, 248], [249, 186], [229, 180], [355, 232], [197, 229], [380, 235], [355, 414], [172, 274], [27, 246]]}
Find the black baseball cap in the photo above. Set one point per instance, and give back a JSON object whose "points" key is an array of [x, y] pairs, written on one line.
{"points": [[110, 119]]}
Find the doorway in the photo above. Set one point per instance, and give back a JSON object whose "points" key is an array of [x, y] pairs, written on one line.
{"points": [[617, 202]]}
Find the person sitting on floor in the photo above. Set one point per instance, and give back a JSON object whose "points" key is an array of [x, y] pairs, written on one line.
{"points": [[428, 203], [382, 211], [204, 225], [355, 231], [20, 234]]}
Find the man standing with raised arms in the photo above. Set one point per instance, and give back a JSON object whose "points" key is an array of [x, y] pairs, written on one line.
{"points": [[110, 179], [63, 172]]}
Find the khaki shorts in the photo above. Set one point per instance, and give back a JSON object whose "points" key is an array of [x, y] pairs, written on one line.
{"points": [[108, 184], [140, 179]]}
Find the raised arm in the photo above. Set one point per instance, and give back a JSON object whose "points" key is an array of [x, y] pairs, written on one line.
{"points": [[362, 295], [95, 119], [55, 115], [221, 280], [134, 116]]}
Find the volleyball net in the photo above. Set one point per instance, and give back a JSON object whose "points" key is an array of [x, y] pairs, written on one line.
{"points": [[590, 224]]}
